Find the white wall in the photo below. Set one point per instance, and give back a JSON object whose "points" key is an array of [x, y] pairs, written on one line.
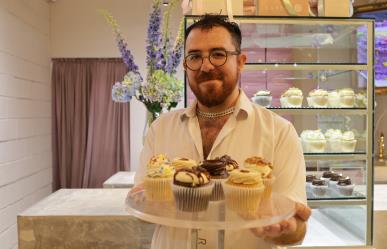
{"points": [[25, 111], [78, 30]]}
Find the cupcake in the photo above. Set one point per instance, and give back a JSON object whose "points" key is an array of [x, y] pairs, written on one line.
{"points": [[360, 100], [292, 98], [348, 142], [243, 191], [181, 162], [345, 186], [218, 173], [231, 164], [265, 168], [262, 98], [192, 189], [333, 99], [333, 137], [309, 180], [157, 182], [319, 187], [335, 177], [313, 141], [326, 176], [347, 97], [318, 98]]}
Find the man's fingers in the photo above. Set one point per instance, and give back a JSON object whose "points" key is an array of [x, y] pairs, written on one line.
{"points": [[303, 212]]}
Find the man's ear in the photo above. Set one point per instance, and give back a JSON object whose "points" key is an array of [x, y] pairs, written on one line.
{"points": [[241, 61]]}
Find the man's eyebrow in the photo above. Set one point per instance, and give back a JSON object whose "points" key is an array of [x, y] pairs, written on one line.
{"points": [[199, 51]]}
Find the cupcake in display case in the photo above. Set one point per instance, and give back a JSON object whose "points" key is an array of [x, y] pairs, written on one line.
{"points": [[347, 98], [360, 100], [348, 142], [333, 99], [262, 98], [292, 98], [319, 187], [326, 176], [309, 180], [313, 141], [318, 98], [345, 186], [192, 189], [335, 177], [333, 137]]}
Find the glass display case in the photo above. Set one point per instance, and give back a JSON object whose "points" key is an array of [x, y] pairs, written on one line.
{"points": [[318, 74]]}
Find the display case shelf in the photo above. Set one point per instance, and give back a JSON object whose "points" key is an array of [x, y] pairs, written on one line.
{"points": [[336, 156], [303, 66], [322, 111]]}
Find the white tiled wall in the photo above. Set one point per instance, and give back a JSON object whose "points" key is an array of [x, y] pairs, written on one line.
{"points": [[25, 110]]}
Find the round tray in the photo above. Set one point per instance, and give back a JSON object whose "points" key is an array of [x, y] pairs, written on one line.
{"points": [[217, 216]]}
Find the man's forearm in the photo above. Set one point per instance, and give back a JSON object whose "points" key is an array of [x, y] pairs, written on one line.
{"points": [[294, 237]]}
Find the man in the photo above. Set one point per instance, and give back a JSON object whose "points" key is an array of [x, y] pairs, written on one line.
{"points": [[224, 121]]}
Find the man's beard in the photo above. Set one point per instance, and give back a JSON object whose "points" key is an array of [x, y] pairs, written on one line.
{"points": [[212, 95]]}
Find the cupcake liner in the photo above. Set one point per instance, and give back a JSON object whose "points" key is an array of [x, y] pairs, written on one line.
{"points": [[346, 190], [158, 189], [192, 199], [268, 183], [217, 191], [348, 146], [319, 190], [243, 199]]}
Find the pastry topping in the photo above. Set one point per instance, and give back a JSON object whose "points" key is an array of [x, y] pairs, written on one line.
{"points": [[312, 135], [216, 168], [260, 165], [231, 164], [328, 174], [344, 182], [293, 91], [318, 92], [262, 93], [245, 177], [335, 177], [194, 177], [348, 136], [310, 178], [182, 162], [157, 160], [164, 170], [318, 182], [332, 134]]}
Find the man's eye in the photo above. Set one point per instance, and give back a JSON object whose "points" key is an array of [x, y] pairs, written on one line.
{"points": [[219, 54], [194, 57]]}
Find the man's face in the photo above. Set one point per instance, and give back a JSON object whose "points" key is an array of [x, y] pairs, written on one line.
{"points": [[212, 85]]}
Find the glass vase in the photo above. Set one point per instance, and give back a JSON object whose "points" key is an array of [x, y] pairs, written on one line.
{"points": [[149, 118]]}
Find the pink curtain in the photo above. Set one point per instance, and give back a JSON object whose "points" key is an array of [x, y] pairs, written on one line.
{"points": [[90, 132]]}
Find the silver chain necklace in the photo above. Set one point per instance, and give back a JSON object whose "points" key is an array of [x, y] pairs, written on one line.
{"points": [[215, 115]]}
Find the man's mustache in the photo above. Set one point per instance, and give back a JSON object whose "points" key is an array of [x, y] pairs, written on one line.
{"points": [[204, 76]]}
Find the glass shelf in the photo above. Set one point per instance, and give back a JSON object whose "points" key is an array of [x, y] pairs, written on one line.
{"points": [[304, 66], [333, 194], [312, 111], [336, 156]]}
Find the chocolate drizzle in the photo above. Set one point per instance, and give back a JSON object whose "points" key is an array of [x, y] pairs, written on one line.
{"points": [[318, 182], [231, 164], [344, 182], [201, 174], [216, 168]]}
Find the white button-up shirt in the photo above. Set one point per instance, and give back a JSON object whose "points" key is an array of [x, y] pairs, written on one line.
{"points": [[250, 131]]}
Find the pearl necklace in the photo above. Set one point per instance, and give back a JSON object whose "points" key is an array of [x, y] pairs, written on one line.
{"points": [[215, 115]]}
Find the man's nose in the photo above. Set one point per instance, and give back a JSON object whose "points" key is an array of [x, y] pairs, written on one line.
{"points": [[206, 65]]}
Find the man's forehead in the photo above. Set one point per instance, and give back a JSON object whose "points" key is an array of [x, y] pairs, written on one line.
{"points": [[199, 38]]}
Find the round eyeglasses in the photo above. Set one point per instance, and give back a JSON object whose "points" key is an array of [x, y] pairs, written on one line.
{"points": [[217, 58]]}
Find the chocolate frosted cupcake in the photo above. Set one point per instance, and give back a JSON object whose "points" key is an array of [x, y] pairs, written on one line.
{"points": [[192, 189], [319, 187], [345, 186], [218, 172], [334, 180], [231, 164], [326, 176], [309, 180]]}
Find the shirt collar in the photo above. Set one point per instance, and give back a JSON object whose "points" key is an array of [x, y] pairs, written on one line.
{"points": [[243, 104]]}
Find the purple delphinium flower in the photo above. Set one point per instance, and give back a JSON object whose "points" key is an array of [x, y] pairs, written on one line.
{"points": [[126, 55], [155, 59]]}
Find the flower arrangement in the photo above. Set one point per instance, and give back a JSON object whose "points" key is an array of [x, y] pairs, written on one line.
{"points": [[161, 89]]}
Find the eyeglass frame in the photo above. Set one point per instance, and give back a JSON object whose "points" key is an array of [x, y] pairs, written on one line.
{"points": [[228, 52]]}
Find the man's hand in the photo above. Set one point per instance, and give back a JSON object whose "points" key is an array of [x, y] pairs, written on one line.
{"points": [[133, 193], [289, 231]]}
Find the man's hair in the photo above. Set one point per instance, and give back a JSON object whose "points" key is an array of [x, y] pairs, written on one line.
{"points": [[208, 21]]}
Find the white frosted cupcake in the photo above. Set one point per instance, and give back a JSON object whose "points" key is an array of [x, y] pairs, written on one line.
{"points": [[292, 98], [333, 137], [347, 97], [243, 191], [192, 189], [333, 99], [318, 98], [157, 182], [313, 141], [182, 162], [360, 100], [262, 98], [157, 160], [265, 168], [348, 142]]}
